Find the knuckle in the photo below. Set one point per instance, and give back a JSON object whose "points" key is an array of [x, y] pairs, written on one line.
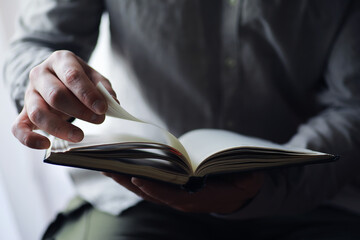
{"points": [[26, 140], [62, 54], [72, 76], [36, 115], [55, 96], [67, 53], [87, 95], [55, 130], [36, 72], [56, 55]]}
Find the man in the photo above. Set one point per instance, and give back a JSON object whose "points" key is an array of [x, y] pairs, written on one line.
{"points": [[287, 71]]}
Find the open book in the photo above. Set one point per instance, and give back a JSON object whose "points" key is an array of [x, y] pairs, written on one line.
{"points": [[185, 161]]}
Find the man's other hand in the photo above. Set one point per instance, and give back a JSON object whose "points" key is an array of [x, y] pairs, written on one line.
{"points": [[220, 195]]}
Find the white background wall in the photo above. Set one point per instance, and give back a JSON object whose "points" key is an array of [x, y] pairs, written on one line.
{"points": [[31, 192]]}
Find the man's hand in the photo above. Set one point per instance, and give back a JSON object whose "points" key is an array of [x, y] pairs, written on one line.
{"points": [[61, 87], [220, 195]]}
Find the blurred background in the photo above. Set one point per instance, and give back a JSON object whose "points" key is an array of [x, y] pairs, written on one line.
{"points": [[31, 192]]}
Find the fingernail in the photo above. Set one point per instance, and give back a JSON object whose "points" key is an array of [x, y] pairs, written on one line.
{"points": [[94, 117], [75, 135], [114, 97], [99, 106]]}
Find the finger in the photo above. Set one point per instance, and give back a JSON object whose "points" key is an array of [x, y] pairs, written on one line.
{"points": [[23, 131], [214, 197], [40, 115], [125, 181], [72, 74], [173, 196], [56, 95], [165, 193], [96, 77]]}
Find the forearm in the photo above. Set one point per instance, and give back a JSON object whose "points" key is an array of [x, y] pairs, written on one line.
{"points": [[17, 67], [45, 27]]}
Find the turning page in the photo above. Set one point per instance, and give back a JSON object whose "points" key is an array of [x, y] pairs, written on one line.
{"points": [[115, 110]]}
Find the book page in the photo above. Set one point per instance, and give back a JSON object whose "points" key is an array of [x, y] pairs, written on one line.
{"points": [[115, 110], [115, 130], [203, 143]]}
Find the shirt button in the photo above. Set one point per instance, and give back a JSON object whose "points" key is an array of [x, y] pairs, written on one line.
{"points": [[230, 62], [232, 2]]}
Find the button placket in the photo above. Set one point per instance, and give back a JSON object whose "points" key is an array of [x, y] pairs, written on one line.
{"points": [[233, 2], [229, 46]]}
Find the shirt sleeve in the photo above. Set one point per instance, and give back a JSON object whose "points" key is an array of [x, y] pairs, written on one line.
{"points": [[335, 130], [45, 26]]}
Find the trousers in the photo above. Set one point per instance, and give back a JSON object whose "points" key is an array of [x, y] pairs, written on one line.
{"points": [[149, 221]]}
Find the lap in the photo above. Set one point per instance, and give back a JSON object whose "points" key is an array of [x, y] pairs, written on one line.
{"points": [[143, 221], [149, 221]]}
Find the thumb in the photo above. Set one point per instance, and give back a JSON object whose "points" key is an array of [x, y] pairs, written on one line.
{"points": [[23, 128], [250, 183]]}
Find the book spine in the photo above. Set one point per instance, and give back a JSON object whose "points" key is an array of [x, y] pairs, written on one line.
{"points": [[194, 184]]}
